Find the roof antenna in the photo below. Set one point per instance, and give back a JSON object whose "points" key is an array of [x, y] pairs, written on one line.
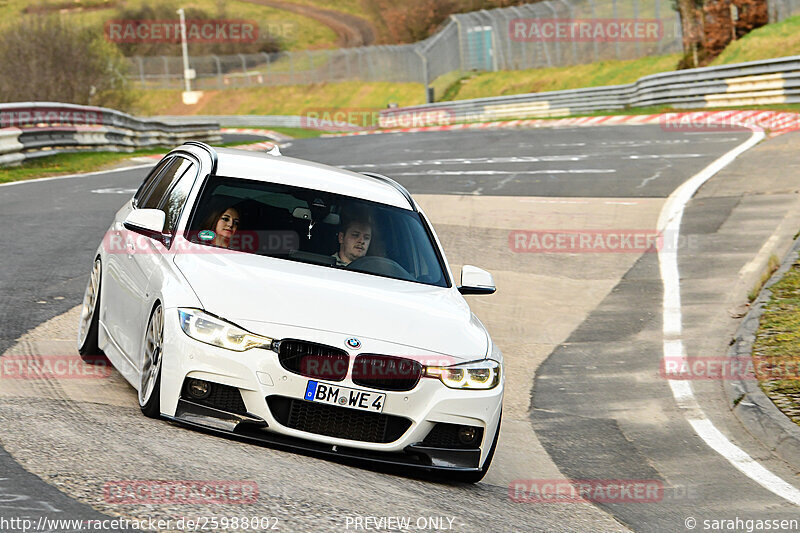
{"points": [[275, 150]]}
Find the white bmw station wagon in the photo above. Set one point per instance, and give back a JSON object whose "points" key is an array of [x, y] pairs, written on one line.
{"points": [[299, 305]]}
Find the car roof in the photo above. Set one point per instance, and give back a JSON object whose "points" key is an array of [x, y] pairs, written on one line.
{"points": [[260, 166]]}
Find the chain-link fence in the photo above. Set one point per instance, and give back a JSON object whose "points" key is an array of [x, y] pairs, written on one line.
{"points": [[781, 9], [373, 63], [550, 33]]}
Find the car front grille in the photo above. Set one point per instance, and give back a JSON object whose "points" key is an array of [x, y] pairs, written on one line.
{"points": [[386, 372], [338, 422], [313, 360]]}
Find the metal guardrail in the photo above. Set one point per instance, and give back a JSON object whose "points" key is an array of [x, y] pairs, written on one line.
{"points": [[769, 82], [264, 121], [36, 129], [237, 121]]}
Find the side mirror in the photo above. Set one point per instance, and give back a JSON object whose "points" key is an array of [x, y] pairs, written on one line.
{"points": [[148, 222], [475, 280]]}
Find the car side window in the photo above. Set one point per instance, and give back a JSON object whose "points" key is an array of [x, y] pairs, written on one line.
{"points": [[173, 205], [163, 183], [147, 184]]}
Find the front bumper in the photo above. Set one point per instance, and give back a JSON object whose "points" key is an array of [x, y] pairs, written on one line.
{"points": [[258, 375], [253, 429]]}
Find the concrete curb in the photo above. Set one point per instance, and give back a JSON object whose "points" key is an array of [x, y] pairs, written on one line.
{"points": [[759, 415]]}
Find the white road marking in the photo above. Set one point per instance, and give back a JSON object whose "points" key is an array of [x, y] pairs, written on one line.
{"points": [[669, 221], [516, 159], [666, 156], [40, 180], [537, 201], [504, 172], [113, 190]]}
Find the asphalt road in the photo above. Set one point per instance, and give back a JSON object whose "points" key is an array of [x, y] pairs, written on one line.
{"points": [[598, 408]]}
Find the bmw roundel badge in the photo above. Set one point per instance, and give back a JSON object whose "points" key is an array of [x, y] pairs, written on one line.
{"points": [[353, 343]]}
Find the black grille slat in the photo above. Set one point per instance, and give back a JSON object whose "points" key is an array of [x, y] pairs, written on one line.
{"points": [[446, 436], [313, 360], [386, 372], [338, 422]]}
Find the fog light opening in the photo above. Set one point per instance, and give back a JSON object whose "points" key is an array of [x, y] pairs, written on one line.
{"points": [[198, 389], [468, 434]]}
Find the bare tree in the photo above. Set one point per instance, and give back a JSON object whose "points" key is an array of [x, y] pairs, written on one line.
{"points": [[47, 59]]}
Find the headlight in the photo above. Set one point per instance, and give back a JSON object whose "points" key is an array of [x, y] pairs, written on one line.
{"points": [[203, 327], [480, 375]]}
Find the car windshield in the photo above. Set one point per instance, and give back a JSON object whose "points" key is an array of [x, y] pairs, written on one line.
{"points": [[317, 227]]}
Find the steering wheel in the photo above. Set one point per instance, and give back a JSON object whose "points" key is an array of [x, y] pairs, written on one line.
{"points": [[375, 264]]}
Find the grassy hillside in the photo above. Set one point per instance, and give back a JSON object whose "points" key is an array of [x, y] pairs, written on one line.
{"points": [[284, 100], [305, 32], [557, 78], [773, 40]]}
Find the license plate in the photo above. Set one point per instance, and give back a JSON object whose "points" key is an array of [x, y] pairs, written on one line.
{"points": [[344, 397]]}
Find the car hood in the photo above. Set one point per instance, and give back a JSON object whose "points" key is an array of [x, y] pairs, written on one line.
{"points": [[255, 291]]}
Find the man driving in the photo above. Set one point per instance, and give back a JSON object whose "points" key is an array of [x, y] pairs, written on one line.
{"points": [[354, 238]]}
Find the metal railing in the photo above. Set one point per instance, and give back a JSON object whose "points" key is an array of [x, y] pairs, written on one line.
{"points": [[773, 81], [36, 129], [485, 40], [481, 40]]}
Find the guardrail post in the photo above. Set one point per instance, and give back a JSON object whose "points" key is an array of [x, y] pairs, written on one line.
{"points": [[220, 83], [657, 15], [574, 44], [614, 14], [266, 68], [244, 69], [549, 6], [166, 70], [636, 16], [141, 70], [425, 80]]}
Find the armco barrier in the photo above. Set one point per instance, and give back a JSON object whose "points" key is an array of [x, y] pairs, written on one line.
{"points": [[36, 129], [770, 82]]}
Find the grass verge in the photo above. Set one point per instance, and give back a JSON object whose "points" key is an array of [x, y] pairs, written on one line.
{"points": [[74, 163], [777, 343], [284, 99], [299, 133]]}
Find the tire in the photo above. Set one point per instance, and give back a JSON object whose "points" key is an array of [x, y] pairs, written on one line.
{"points": [[474, 477], [150, 374], [89, 324]]}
